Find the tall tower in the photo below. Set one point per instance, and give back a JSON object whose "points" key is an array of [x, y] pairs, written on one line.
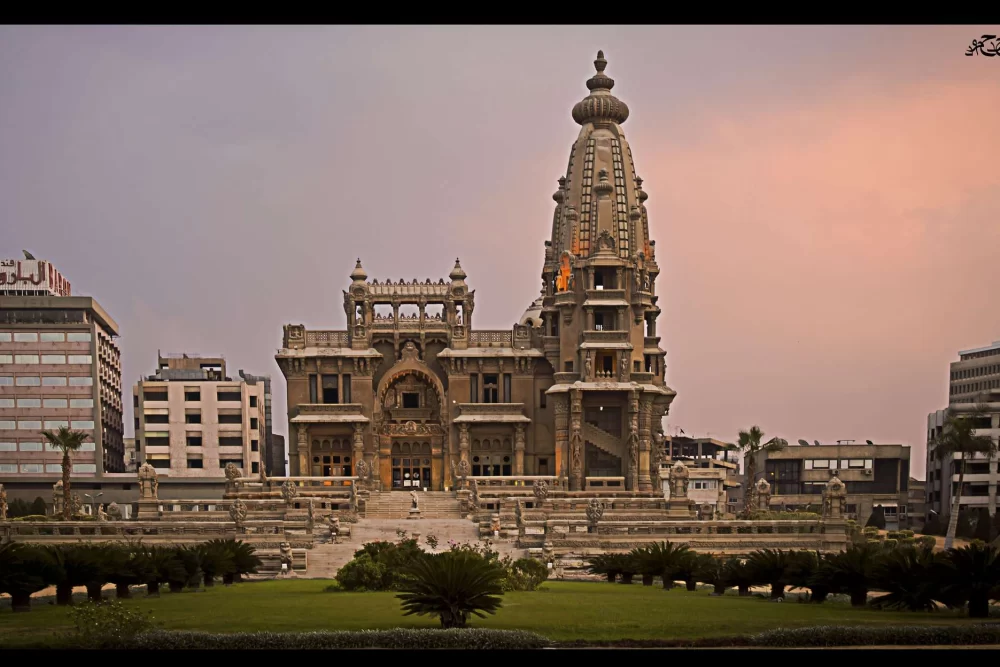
{"points": [[599, 304]]}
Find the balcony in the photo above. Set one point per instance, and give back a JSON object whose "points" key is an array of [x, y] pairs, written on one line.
{"points": [[491, 413], [418, 415], [602, 336], [491, 339], [605, 294], [327, 339], [329, 413]]}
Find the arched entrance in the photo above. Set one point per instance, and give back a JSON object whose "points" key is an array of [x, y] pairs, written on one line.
{"points": [[411, 465]]}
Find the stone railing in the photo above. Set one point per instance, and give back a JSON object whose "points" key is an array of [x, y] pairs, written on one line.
{"points": [[429, 324], [605, 294], [327, 339], [261, 534], [491, 339], [351, 409], [592, 483], [488, 482], [606, 336], [487, 410]]}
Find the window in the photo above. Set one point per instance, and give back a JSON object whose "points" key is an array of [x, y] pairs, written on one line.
{"points": [[253, 401], [230, 442], [856, 463], [192, 395], [192, 418], [53, 337], [86, 381], [84, 467], [53, 467], [78, 337], [6, 402], [159, 463], [7, 425], [229, 395], [55, 403], [25, 358], [29, 402], [330, 393], [157, 441], [55, 423], [411, 400], [568, 366], [5, 337], [195, 463], [8, 446], [81, 403], [8, 467], [473, 388], [6, 381], [31, 467], [86, 424], [346, 384], [541, 398], [157, 419], [53, 358], [29, 381], [194, 441], [88, 446], [224, 462], [80, 359], [6, 358], [313, 392], [28, 424], [25, 337], [491, 389], [506, 387], [31, 446], [231, 419], [54, 381], [254, 467], [253, 422], [254, 446]]}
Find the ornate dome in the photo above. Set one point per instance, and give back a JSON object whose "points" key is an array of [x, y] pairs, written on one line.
{"points": [[600, 106], [533, 315]]}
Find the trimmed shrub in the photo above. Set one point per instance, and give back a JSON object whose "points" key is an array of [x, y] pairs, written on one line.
{"points": [[867, 635], [525, 574], [927, 541], [890, 544], [107, 624], [472, 638], [906, 534]]}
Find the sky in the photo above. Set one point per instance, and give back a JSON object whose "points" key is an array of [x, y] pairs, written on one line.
{"points": [[824, 199]]}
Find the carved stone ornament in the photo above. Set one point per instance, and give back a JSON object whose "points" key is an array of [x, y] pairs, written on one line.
{"points": [[464, 468], [114, 511], [541, 490], [288, 492], [595, 510], [232, 472], [238, 512], [147, 481], [3, 503]]}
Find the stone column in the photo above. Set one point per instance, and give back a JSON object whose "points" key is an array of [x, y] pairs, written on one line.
{"points": [[302, 432], [561, 406], [646, 476], [358, 449], [519, 449], [576, 448], [463, 442]]}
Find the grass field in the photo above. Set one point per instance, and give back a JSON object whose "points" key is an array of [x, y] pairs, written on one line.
{"points": [[561, 611]]}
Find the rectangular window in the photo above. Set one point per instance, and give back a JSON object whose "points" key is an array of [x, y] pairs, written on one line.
{"points": [[807, 464], [53, 358], [80, 359], [254, 467], [313, 391], [195, 463], [31, 467], [856, 463], [8, 446], [330, 393], [192, 418], [25, 358], [869, 463], [53, 337], [157, 419], [230, 442], [6, 358], [31, 446], [507, 388], [88, 446], [253, 401], [81, 403], [158, 441], [229, 395], [474, 388], [194, 441], [224, 462], [85, 381], [53, 467], [8, 467], [54, 381], [30, 424], [84, 467], [491, 389], [230, 419], [55, 403], [29, 402], [6, 381], [23, 337], [541, 398], [6, 402], [85, 425], [78, 337], [7, 425], [253, 422], [346, 389], [254, 446], [159, 463], [29, 381], [5, 337], [54, 423]]}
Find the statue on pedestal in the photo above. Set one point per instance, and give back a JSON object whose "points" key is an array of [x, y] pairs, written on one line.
{"points": [[834, 499], [541, 490], [285, 557], [238, 512], [763, 494], [57, 498], [679, 475], [147, 482], [232, 478], [415, 500], [101, 514], [3, 503], [288, 492]]}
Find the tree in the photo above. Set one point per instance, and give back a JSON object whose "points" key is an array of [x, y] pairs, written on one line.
{"points": [[740, 574], [712, 571], [772, 567], [37, 507], [959, 439], [663, 559], [78, 565], [216, 561], [164, 566], [911, 578], [973, 575], [877, 518], [750, 444], [452, 585], [603, 565], [67, 441], [805, 572], [853, 571], [24, 570]]}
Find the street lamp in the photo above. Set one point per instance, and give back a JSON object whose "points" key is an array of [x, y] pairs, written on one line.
{"points": [[92, 499]]}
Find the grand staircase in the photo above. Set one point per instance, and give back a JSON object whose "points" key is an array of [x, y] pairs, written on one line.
{"points": [[396, 505], [603, 440]]}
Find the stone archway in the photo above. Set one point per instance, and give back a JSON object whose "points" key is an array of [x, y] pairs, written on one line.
{"points": [[410, 364]]}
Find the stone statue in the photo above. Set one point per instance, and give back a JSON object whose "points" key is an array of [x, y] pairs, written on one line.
{"points": [[232, 477], [541, 490], [763, 494], [706, 512], [333, 521], [576, 452], [57, 498], [464, 468], [3, 503], [679, 482], [262, 478], [415, 500], [375, 473], [285, 555], [588, 367], [633, 455], [835, 497], [289, 491], [101, 514], [114, 511], [595, 510], [77, 505], [623, 368], [147, 482], [238, 512], [362, 472]]}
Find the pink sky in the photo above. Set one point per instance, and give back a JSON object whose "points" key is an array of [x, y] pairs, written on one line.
{"points": [[825, 200]]}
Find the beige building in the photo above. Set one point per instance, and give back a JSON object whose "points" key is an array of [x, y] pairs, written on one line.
{"points": [[873, 474], [59, 366], [712, 472], [976, 372], [191, 419], [574, 388], [131, 460]]}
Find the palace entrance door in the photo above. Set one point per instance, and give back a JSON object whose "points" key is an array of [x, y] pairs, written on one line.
{"points": [[411, 466]]}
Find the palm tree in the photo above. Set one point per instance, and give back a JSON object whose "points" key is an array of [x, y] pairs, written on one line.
{"points": [[854, 571], [773, 567], [244, 560], [25, 569], [216, 561], [164, 566], [712, 571], [807, 572], [78, 564], [68, 441], [452, 585], [663, 559], [603, 565], [741, 575], [959, 437], [750, 443], [973, 575], [912, 579]]}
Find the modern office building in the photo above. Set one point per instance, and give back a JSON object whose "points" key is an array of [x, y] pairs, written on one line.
{"points": [[192, 419], [713, 473], [873, 474], [976, 372], [59, 366], [273, 446]]}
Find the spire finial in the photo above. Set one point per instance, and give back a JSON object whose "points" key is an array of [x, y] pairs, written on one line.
{"points": [[359, 275], [600, 64]]}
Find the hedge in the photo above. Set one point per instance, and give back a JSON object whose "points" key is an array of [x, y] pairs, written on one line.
{"points": [[470, 638], [866, 635]]}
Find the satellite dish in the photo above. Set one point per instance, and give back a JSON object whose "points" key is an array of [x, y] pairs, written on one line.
{"points": [[816, 442], [804, 443], [869, 442]]}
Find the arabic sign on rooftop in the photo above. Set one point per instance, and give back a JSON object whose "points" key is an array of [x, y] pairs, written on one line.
{"points": [[31, 277]]}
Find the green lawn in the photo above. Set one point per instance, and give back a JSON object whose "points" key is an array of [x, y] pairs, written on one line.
{"points": [[560, 611]]}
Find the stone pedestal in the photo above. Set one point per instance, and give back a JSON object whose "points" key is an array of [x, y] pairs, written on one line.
{"points": [[680, 509], [414, 513], [149, 510]]}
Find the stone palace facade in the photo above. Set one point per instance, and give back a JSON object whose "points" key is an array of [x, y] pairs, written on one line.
{"points": [[575, 390]]}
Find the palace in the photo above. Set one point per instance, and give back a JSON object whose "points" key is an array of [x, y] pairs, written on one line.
{"points": [[575, 391]]}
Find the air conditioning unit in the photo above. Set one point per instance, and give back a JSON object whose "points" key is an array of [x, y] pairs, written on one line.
{"points": [[868, 471], [834, 473]]}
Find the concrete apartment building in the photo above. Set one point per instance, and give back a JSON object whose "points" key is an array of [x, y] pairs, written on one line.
{"points": [[713, 473], [873, 474], [192, 419], [59, 366], [974, 379]]}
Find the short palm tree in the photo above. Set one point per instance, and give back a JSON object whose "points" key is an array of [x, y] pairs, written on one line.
{"points": [[78, 564], [740, 574], [25, 569], [773, 567], [603, 565], [67, 441], [164, 566], [853, 571], [662, 559], [973, 575], [912, 578], [242, 556], [452, 586], [216, 561], [807, 572], [750, 443], [712, 571], [959, 439]]}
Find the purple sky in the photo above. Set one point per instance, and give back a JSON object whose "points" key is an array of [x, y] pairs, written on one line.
{"points": [[825, 199]]}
